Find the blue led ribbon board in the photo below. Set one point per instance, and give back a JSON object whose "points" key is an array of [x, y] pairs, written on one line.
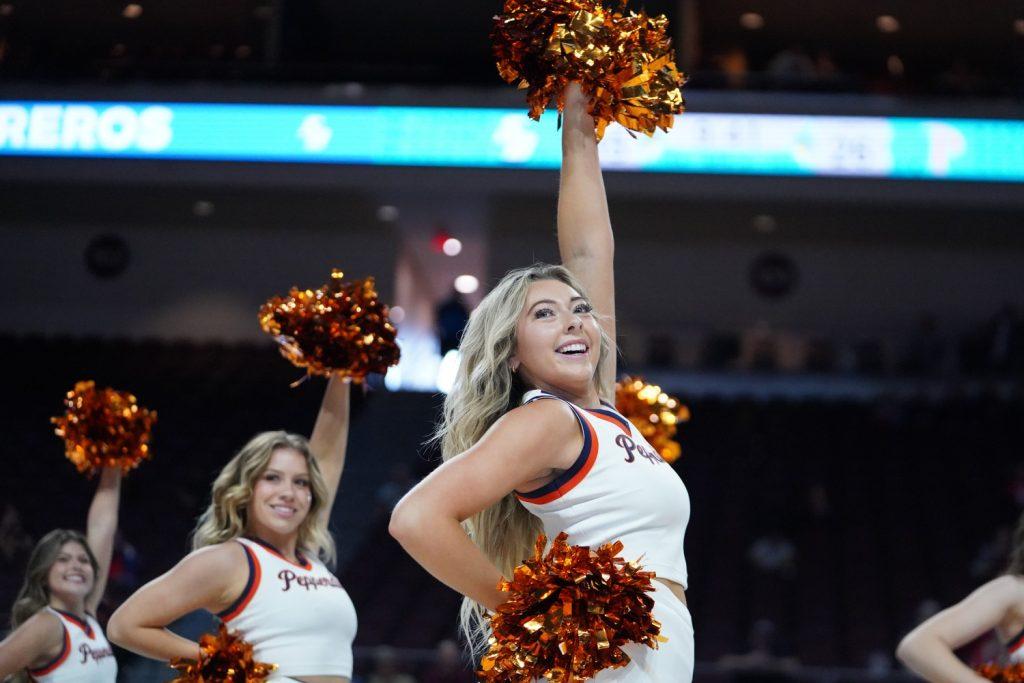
{"points": [[746, 144]]}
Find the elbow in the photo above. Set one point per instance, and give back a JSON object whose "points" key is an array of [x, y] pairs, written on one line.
{"points": [[402, 525], [906, 649], [117, 629]]}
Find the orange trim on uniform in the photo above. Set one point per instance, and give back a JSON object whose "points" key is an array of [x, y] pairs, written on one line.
{"points": [[590, 438], [83, 625], [65, 651], [250, 590]]}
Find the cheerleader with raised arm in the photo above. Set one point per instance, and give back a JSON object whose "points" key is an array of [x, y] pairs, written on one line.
{"points": [[262, 551], [56, 636], [530, 439]]}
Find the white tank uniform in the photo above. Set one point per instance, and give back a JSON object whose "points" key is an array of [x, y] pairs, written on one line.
{"points": [[295, 615], [86, 656], [1015, 649], [620, 489]]}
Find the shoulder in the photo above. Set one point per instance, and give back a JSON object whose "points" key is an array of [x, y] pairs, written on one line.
{"points": [[548, 415], [40, 637], [222, 559], [1008, 589]]}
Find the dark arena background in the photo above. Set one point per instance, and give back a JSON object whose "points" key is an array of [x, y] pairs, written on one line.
{"points": [[824, 261]]}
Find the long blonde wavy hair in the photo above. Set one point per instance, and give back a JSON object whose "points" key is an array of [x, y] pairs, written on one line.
{"points": [[485, 388], [34, 594], [227, 515]]}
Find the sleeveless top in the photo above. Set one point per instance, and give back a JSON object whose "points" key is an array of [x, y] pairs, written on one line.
{"points": [[618, 488], [295, 615], [1015, 649], [86, 656]]}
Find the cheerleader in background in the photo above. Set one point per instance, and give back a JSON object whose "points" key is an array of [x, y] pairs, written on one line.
{"points": [[261, 557], [929, 649], [55, 635]]}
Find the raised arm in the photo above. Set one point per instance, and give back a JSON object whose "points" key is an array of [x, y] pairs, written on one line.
{"points": [[585, 241], [928, 649], [513, 454], [330, 435], [100, 528]]}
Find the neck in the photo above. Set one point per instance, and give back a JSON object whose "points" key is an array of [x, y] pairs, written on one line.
{"points": [[74, 606], [585, 397], [283, 543]]}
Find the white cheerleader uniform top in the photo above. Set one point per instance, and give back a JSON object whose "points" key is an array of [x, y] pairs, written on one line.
{"points": [[618, 489], [1015, 649], [85, 657], [295, 615]]}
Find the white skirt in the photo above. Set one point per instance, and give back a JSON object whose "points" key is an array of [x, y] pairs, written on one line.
{"points": [[672, 662]]}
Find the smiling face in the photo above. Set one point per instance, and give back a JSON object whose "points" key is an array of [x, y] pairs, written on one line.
{"points": [[558, 341], [281, 497], [71, 577]]}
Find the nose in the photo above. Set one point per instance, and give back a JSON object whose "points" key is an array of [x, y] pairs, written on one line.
{"points": [[575, 322]]}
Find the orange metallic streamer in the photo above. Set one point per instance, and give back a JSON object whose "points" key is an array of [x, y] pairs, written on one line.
{"points": [[223, 658], [568, 615], [1014, 673], [341, 328], [623, 61], [104, 428], [653, 412]]}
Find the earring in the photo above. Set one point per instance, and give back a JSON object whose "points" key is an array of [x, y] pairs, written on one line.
{"points": [[514, 367]]}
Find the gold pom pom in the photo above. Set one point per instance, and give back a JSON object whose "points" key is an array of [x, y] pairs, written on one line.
{"points": [[341, 328], [623, 62], [1013, 673], [656, 414], [104, 428], [568, 615], [223, 658]]}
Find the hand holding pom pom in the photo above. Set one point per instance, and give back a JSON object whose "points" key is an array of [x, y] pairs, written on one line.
{"points": [[568, 615], [104, 428], [623, 62], [223, 658], [341, 328], [654, 413]]}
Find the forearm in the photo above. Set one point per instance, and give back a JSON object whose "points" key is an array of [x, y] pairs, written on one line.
{"points": [[329, 439], [103, 511], [935, 662], [442, 547], [154, 642], [582, 206]]}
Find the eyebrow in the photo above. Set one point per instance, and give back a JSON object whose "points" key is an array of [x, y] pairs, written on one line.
{"points": [[552, 301]]}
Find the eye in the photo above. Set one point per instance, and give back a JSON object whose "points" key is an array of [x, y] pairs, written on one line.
{"points": [[583, 307], [270, 477], [543, 313], [302, 482]]}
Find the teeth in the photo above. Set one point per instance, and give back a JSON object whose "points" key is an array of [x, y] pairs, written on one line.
{"points": [[573, 348]]}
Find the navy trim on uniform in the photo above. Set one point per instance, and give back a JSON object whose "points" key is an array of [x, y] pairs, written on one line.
{"points": [[306, 564], [248, 585], [84, 625], [580, 461], [1016, 640], [614, 414]]}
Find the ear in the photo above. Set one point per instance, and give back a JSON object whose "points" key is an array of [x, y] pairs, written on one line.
{"points": [[513, 364]]}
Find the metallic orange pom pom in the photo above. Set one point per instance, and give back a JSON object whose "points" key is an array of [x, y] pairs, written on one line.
{"points": [[623, 62], [568, 615], [655, 414], [339, 329], [1014, 673], [223, 658], [104, 428]]}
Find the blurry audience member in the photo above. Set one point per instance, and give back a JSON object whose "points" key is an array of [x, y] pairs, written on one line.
{"points": [[773, 553], [992, 554], [792, 66], [734, 65], [452, 316], [764, 661], [391, 491], [448, 666], [926, 349], [14, 540], [386, 668], [878, 665]]}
